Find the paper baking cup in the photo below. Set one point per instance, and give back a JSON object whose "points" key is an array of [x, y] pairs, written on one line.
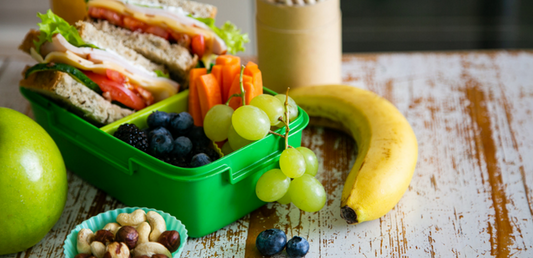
{"points": [[99, 221]]}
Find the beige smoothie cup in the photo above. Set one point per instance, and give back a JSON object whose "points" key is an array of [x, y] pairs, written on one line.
{"points": [[299, 45]]}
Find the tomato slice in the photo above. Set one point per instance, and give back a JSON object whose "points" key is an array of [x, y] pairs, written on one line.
{"points": [[117, 91], [115, 76], [198, 45], [134, 24], [158, 31]]}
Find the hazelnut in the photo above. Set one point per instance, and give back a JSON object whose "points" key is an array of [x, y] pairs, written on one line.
{"points": [[104, 236], [159, 256], [170, 239], [128, 235], [117, 250], [141, 256]]}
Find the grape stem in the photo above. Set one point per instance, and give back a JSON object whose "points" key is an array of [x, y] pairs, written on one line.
{"points": [[242, 95], [285, 122], [287, 119]]}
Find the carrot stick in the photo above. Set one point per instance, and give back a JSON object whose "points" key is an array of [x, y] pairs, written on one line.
{"points": [[228, 59], [217, 72], [252, 70], [236, 102], [229, 72], [208, 92], [250, 64], [194, 100]]}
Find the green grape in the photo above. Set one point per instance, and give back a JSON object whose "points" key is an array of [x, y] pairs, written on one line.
{"points": [[217, 122], [311, 162], [293, 108], [250, 122], [271, 105], [226, 148], [286, 199], [235, 140], [307, 193], [292, 163], [272, 185]]}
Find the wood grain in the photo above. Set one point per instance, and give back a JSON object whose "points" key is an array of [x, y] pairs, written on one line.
{"points": [[472, 192]]}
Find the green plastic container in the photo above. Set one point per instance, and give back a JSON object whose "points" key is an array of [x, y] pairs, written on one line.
{"points": [[205, 199]]}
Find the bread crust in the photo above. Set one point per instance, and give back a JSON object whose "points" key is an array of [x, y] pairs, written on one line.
{"points": [[81, 100]]}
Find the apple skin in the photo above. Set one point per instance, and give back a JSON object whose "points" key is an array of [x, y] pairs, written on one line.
{"points": [[33, 182]]}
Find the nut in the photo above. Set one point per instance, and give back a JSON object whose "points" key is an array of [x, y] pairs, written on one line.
{"points": [[150, 249], [159, 256], [117, 250], [98, 249], [112, 227], [85, 236], [170, 239], [128, 235], [134, 219], [84, 256], [157, 223], [104, 236], [144, 231], [142, 256]]}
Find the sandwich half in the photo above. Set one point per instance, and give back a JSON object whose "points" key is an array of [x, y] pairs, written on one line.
{"points": [[91, 71], [165, 30]]}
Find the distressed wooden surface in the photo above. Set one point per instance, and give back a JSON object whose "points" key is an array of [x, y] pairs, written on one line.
{"points": [[472, 192]]}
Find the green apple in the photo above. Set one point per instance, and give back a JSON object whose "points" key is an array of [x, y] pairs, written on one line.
{"points": [[33, 182]]}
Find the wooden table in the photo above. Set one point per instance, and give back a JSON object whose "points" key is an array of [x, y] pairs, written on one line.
{"points": [[472, 192]]}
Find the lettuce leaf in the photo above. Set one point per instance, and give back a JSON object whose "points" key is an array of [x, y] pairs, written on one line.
{"points": [[229, 33], [162, 74], [52, 24]]}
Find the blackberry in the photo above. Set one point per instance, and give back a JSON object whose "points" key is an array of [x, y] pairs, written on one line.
{"points": [[132, 135], [176, 161]]}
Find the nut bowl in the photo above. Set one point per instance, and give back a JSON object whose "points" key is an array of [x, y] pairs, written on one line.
{"points": [[99, 221]]}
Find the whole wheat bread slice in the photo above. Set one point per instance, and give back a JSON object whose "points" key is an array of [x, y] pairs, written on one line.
{"points": [[75, 96], [176, 58]]}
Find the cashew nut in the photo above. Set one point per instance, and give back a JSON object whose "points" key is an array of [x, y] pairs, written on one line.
{"points": [[150, 249], [144, 231], [84, 240], [135, 218], [117, 250], [112, 227], [98, 249], [157, 223]]}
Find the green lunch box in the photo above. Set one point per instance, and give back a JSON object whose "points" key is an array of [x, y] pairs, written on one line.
{"points": [[205, 199]]}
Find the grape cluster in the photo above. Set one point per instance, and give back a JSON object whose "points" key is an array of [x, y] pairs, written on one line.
{"points": [[247, 123], [304, 190]]}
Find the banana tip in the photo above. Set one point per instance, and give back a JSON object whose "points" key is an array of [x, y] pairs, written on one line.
{"points": [[349, 215]]}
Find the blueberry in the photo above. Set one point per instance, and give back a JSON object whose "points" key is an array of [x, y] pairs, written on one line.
{"points": [[158, 119], [271, 241], [159, 130], [198, 137], [211, 153], [160, 143], [199, 160], [181, 123], [182, 146], [297, 247]]}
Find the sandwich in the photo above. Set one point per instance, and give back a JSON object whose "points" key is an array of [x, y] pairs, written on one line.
{"points": [[91, 72], [175, 33]]}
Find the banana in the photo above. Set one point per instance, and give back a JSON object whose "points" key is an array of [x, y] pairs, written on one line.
{"points": [[387, 145]]}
